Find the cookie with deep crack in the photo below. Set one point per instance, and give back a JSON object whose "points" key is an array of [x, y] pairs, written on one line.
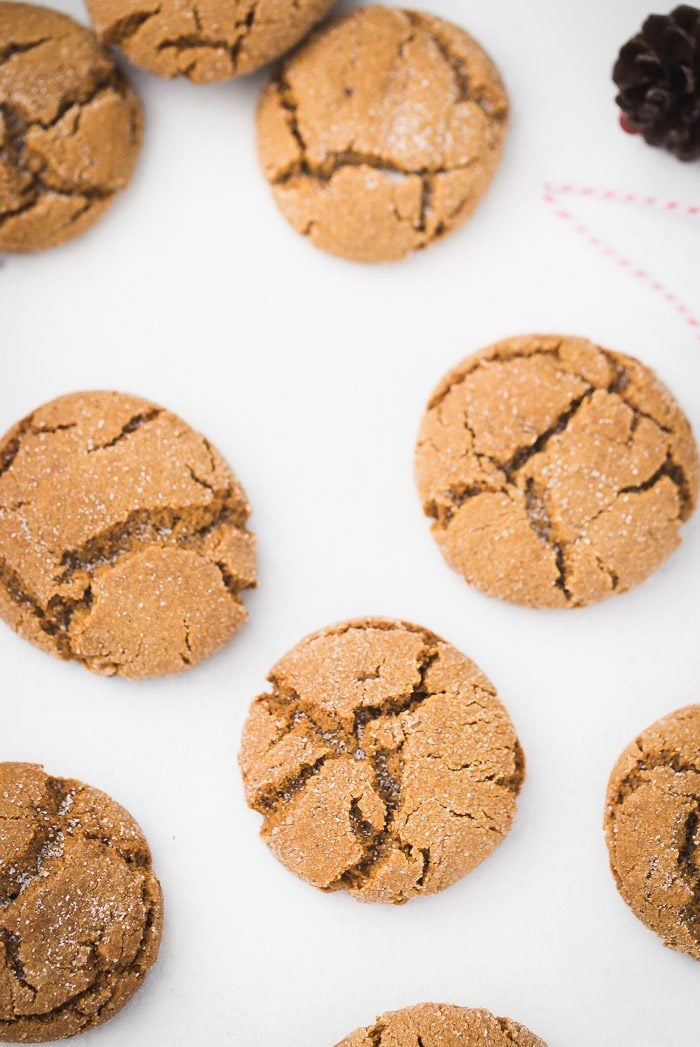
{"points": [[81, 910], [381, 761], [70, 128], [204, 42], [123, 540], [555, 472], [652, 826], [442, 1025], [382, 132]]}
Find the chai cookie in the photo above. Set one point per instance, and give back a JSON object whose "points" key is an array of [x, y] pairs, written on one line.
{"points": [[204, 42], [123, 541], [652, 826], [81, 910], [555, 472], [441, 1025], [382, 132], [381, 761], [70, 128]]}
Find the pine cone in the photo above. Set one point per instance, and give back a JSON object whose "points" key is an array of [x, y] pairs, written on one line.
{"points": [[658, 74]]}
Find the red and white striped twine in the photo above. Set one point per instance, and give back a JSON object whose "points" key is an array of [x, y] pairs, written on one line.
{"points": [[551, 192]]}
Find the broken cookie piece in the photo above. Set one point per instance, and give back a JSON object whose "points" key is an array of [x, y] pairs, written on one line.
{"points": [[442, 1025], [382, 132], [652, 826], [204, 42], [123, 540], [70, 128], [381, 760], [81, 911], [555, 472]]}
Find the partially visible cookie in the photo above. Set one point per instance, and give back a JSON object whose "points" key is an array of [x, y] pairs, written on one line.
{"points": [[70, 128], [652, 826], [382, 132], [81, 911], [555, 472], [204, 42], [381, 760], [441, 1025], [123, 540]]}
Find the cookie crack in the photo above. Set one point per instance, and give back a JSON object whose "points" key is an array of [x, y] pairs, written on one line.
{"points": [[663, 758], [119, 32], [135, 423], [12, 49], [157, 527], [15, 149], [12, 943], [671, 470]]}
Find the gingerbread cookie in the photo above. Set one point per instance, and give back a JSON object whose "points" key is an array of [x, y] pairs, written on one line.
{"points": [[441, 1025], [382, 132], [381, 760], [81, 910], [123, 540], [70, 128], [556, 472], [204, 42], [652, 826]]}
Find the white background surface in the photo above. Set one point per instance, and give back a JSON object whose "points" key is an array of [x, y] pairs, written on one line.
{"points": [[310, 375]]}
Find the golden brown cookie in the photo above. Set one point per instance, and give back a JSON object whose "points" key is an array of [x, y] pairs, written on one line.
{"points": [[381, 760], [382, 132], [555, 472], [441, 1025], [81, 910], [123, 540], [652, 825], [205, 42], [70, 128]]}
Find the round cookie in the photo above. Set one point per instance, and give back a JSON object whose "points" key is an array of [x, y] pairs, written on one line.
{"points": [[70, 128], [652, 827], [382, 132], [123, 542], [204, 42], [381, 760], [81, 910], [441, 1025], [556, 472]]}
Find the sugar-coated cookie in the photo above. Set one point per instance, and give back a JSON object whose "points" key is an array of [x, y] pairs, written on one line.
{"points": [[381, 760], [442, 1025], [204, 42], [81, 910], [652, 825], [555, 472], [70, 128], [382, 132], [123, 540]]}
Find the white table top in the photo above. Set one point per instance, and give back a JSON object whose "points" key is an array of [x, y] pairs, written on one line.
{"points": [[310, 374]]}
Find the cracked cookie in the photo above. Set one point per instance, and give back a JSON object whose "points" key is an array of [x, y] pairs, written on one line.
{"points": [[652, 827], [381, 760], [81, 910], [441, 1025], [555, 472], [123, 541], [70, 128], [382, 132], [206, 42]]}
